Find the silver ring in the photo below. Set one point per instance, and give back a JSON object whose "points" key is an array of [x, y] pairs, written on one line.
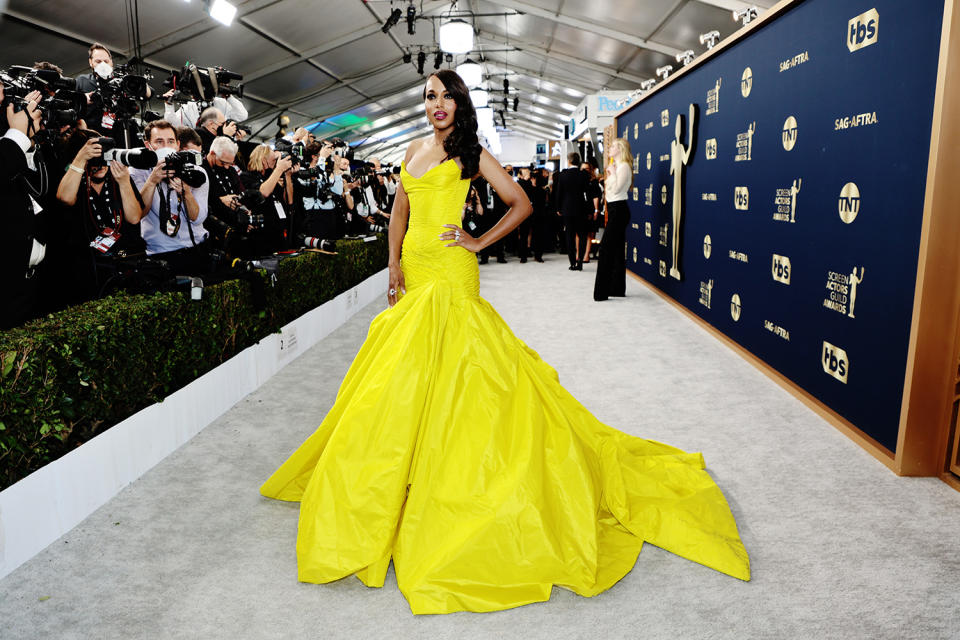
{"points": [[393, 292], [456, 235]]}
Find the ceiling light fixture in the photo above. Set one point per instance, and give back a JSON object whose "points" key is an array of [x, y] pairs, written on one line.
{"points": [[479, 97], [421, 60], [470, 72], [437, 59], [222, 11], [456, 36], [391, 20], [411, 19]]}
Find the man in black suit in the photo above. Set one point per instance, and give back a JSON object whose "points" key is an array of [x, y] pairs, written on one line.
{"points": [[22, 251], [571, 186]]}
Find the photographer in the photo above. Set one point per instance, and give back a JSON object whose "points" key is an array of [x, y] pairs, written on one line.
{"points": [[190, 141], [211, 124], [316, 194], [111, 101], [268, 171], [171, 203], [101, 221], [22, 251], [367, 201], [223, 220]]}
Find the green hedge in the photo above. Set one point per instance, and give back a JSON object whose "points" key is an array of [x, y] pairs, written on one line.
{"points": [[69, 376]]}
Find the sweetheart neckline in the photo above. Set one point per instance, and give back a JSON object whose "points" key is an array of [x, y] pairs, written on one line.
{"points": [[403, 165]]}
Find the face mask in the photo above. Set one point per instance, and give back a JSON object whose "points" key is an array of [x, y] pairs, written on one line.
{"points": [[103, 69]]}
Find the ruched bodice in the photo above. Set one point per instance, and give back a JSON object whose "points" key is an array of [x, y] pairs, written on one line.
{"points": [[436, 199]]}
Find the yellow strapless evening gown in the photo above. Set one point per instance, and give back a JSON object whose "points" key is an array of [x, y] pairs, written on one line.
{"points": [[453, 450]]}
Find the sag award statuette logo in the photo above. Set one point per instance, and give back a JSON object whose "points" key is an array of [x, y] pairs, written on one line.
{"points": [[649, 160], [745, 144], [636, 194], [634, 255], [663, 269], [707, 246], [648, 229], [849, 203], [735, 307], [706, 292], [648, 196], [746, 82], [679, 158], [786, 202], [789, 133], [842, 291], [835, 362], [863, 30], [713, 98], [636, 130], [663, 194]]}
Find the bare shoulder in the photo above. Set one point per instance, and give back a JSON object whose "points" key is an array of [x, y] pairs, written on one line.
{"points": [[412, 149]]}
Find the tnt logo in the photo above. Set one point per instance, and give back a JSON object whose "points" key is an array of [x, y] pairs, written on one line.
{"points": [[835, 362], [848, 205], [741, 198], [781, 269], [863, 30], [789, 133]]}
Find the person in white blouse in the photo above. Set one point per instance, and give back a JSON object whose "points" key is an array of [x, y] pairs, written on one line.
{"points": [[611, 268]]}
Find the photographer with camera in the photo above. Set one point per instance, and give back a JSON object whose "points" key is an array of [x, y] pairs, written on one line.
{"points": [[367, 200], [269, 173], [317, 192], [229, 218], [101, 217], [112, 96], [174, 193], [23, 251]]}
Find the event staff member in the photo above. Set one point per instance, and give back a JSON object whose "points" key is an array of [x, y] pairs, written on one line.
{"points": [[169, 206], [22, 250], [612, 268], [571, 186]]}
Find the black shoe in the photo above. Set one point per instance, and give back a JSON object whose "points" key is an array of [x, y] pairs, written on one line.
{"points": [[538, 259], [523, 260], [572, 267], [483, 260], [501, 260], [579, 267]]}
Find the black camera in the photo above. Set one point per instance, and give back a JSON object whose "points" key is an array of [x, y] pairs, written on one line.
{"points": [[246, 203], [136, 158], [193, 83], [184, 164], [288, 149], [120, 93], [60, 103], [309, 172]]}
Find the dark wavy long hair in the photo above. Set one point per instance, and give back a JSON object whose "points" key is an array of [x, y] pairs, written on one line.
{"points": [[462, 141]]}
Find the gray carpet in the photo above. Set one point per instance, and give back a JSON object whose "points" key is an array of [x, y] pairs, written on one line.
{"points": [[840, 547]]}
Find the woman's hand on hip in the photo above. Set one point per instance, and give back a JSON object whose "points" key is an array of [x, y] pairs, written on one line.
{"points": [[460, 238]]}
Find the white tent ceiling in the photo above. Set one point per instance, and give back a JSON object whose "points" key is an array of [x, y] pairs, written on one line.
{"points": [[328, 62]]}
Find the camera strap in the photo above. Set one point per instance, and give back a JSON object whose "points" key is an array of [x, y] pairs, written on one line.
{"points": [[169, 222]]}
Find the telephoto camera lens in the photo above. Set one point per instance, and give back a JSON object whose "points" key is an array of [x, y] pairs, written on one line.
{"points": [[136, 158]]}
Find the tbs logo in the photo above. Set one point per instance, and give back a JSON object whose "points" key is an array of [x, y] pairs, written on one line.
{"points": [[835, 362], [862, 31], [781, 269]]}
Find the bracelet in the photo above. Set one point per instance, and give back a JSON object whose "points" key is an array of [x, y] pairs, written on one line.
{"points": [[73, 168]]}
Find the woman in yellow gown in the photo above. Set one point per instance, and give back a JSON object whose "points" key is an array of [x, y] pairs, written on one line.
{"points": [[453, 450]]}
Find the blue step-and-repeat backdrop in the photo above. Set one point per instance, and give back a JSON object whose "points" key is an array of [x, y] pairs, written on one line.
{"points": [[778, 194]]}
